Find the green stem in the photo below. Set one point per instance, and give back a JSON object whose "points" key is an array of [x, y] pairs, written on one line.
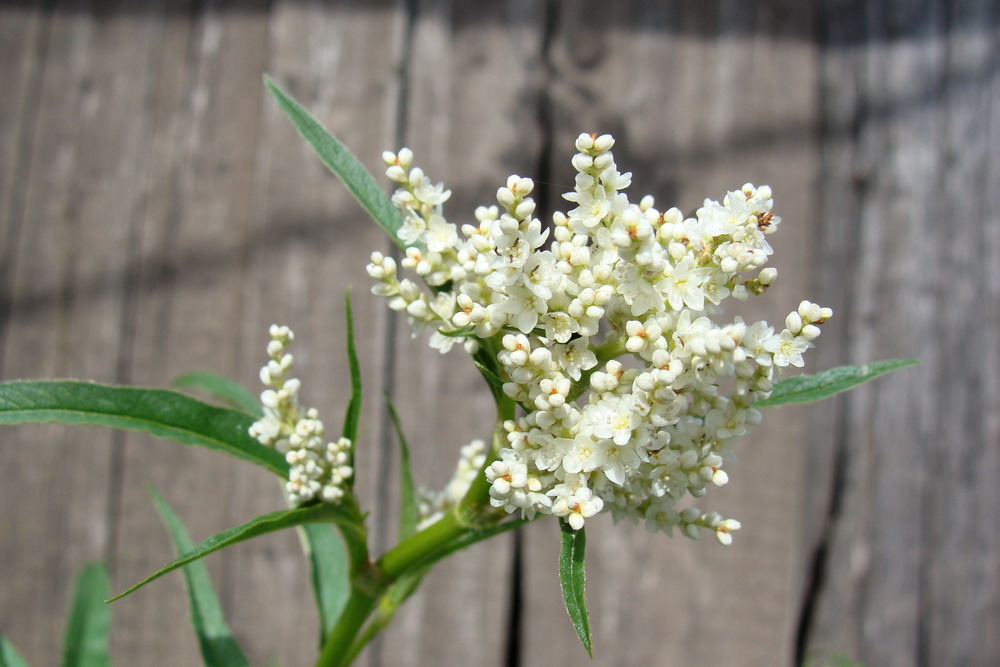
{"points": [[376, 626], [416, 549], [337, 647], [472, 513], [371, 581]]}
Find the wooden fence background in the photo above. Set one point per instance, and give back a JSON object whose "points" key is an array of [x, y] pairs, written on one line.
{"points": [[157, 212]]}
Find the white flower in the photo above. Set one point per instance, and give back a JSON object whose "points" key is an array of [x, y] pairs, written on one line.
{"points": [[787, 349], [575, 357], [441, 235], [723, 531], [413, 228], [592, 206], [613, 418], [579, 505], [682, 285]]}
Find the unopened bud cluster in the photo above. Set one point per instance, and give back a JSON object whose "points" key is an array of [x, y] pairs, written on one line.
{"points": [[605, 334], [319, 468]]}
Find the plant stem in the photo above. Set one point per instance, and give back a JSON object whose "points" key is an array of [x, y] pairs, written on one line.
{"points": [[413, 550], [336, 649], [370, 581]]}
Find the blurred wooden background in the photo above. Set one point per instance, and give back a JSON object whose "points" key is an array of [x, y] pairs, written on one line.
{"points": [[157, 212]]}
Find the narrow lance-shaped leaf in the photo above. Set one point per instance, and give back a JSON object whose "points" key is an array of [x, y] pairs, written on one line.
{"points": [[218, 648], [9, 657], [494, 381], [229, 391], [409, 511], [86, 640], [160, 412], [352, 416], [809, 388], [262, 525], [329, 573], [340, 161], [464, 332], [571, 579]]}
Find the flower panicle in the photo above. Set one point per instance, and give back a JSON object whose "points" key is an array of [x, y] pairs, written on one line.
{"points": [[319, 467], [613, 280]]}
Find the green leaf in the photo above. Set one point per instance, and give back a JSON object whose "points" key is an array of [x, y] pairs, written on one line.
{"points": [[492, 378], [809, 388], [571, 579], [230, 392], [340, 161], [262, 525], [352, 416], [160, 412], [464, 332], [409, 511], [86, 641], [218, 648], [329, 573], [485, 360], [9, 657]]}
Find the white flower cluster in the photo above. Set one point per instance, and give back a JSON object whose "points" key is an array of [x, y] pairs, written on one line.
{"points": [[318, 468], [617, 280]]}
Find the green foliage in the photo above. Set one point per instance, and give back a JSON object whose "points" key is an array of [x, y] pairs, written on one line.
{"points": [[494, 381], [352, 417], [230, 392], [821, 659], [262, 525], [409, 511], [572, 579], [9, 657], [809, 388], [163, 413], [353, 414], [218, 648], [464, 332], [329, 572], [85, 643], [340, 161]]}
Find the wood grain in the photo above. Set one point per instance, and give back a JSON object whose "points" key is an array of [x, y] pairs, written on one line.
{"points": [[70, 296], [158, 212], [191, 271], [909, 574]]}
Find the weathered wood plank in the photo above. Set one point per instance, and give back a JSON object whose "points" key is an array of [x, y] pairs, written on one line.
{"points": [[146, 181], [909, 574], [190, 285], [471, 119], [70, 295], [701, 98], [23, 32]]}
